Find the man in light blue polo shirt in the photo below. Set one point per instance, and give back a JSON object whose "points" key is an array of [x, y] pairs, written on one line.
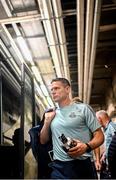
{"points": [[77, 122]]}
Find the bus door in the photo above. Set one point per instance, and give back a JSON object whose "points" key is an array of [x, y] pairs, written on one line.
{"points": [[28, 163], [17, 116], [10, 93]]}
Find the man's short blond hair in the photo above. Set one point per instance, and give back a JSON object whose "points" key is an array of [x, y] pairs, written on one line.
{"points": [[102, 112]]}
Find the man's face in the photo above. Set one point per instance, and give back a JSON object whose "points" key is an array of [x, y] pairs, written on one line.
{"points": [[59, 91]]}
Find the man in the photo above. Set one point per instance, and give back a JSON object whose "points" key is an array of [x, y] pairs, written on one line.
{"points": [[78, 122], [112, 150], [109, 128], [112, 157]]}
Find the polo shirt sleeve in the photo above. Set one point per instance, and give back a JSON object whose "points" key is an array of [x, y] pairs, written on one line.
{"points": [[90, 118]]}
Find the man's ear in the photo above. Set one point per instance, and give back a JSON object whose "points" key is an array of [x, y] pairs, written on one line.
{"points": [[68, 89], [100, 119]]}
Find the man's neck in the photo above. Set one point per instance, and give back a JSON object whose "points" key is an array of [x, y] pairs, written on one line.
{"points": [[67, 102]]}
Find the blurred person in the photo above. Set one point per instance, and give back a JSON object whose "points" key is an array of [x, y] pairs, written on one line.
{"points": [[77, 121], [77, 100], [112, 150], [112, 157], [97, 159], [108, 128]]}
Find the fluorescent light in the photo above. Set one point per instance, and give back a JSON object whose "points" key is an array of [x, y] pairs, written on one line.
{"points": [[50, 101], [37, 74], [51, 35], [9, 56], [40, 101], [41, 92], [38, 90], [44, 90], [24, 48]]}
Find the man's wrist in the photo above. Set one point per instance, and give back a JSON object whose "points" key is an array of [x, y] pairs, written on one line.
{"points": [[89, 149]]}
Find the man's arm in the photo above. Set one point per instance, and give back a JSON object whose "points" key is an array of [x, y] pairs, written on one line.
{"points": [[81, 148], [97, 140], [45, 131], [97, 158]]}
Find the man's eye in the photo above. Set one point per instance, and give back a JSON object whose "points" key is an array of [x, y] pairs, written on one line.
{"points": [[55, 89]]}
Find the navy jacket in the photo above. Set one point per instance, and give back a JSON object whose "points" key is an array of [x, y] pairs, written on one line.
{"points": [[40, 152]]}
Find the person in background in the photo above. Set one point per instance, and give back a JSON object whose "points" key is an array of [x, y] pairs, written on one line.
{"points": [[77, 100], [112, 150], [97, 159], [109, 128], [112, 157], [77, 123]]}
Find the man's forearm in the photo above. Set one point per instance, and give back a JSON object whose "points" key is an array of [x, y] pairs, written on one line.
{"points": [[97, 153], [97, 140], [45, 133]]}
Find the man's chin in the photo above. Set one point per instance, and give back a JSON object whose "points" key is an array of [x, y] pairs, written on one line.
{"points": [[55, 100]]}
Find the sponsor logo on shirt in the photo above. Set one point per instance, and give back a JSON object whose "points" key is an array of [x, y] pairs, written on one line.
{"points": [[72, 115]]}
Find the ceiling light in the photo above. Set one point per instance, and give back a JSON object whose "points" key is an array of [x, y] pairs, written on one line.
{"points": [[24, 48], [37, 74], [41, 90], [6, 54], [106, 66], [50, 101], [44, 90]]}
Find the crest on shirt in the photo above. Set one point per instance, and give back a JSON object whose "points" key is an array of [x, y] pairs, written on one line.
{"points": [[72, 115]]}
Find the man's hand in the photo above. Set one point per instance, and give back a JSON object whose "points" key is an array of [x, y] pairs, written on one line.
{"points": [[98, 165], [78, 150], [49, 115], [103, 157]]}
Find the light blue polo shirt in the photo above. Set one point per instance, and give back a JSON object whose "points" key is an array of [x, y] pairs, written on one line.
{"points": [[76, 121], [109, 132]]}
